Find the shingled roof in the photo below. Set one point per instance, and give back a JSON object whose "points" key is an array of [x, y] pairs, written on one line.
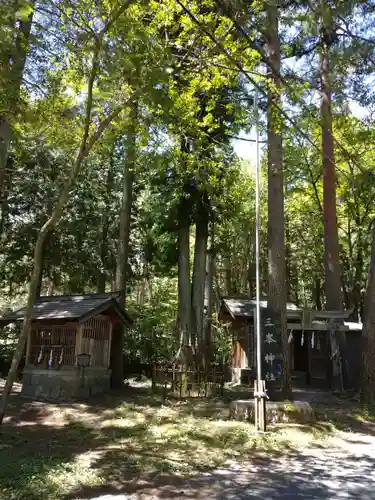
{"points": [[239, 307], [244, 307], [71, 307]]}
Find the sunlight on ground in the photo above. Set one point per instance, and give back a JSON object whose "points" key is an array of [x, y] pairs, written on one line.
{"points": [[366, 414], [59, 450]]}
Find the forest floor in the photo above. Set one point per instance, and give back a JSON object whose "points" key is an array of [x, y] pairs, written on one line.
{"points": [[134, 446]]}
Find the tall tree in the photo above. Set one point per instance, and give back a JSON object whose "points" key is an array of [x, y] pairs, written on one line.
{"points": [[209, 290], [86, 145], [184, 283], [368, 334], [333, 279], [276, 233], [332, 250], [199, 272], [97, 117], [105, 221], [122, 265]]}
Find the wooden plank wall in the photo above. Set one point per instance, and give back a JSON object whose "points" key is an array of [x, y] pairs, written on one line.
{"points": [[241, 343]]}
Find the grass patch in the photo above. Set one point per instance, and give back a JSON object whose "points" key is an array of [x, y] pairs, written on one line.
{"points": [[365, 414], [112, 444]]}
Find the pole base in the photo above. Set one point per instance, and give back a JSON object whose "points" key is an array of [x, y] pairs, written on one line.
{"points": [[260, 396]]}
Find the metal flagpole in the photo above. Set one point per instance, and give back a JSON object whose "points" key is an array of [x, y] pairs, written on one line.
{"points": [[257, 237], [259, 389]]}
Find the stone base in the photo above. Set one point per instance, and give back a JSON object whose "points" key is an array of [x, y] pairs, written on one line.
{"points": [[236, 376], [64, 383], [276, 411]]}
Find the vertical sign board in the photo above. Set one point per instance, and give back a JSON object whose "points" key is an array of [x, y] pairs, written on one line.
{"points": [[272, 361]]}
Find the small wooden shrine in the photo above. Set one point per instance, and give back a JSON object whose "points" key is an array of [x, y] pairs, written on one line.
{"points": [[311, 336], [64, 330]]}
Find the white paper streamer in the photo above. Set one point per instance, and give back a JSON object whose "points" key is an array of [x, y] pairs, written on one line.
{"points": [[50, 359], [40, 355]]}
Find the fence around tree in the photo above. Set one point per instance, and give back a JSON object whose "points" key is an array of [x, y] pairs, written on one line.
{"points": [[181, 382]]}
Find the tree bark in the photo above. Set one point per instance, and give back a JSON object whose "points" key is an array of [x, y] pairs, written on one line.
{"points": [[356, 296], [145, 287], [199, 275], [184, 287], [288, 263], [368, 335], [228, 280], [85, 147], [332, 250], [122, 264], [102, 275], [317, 293], [276, 223], [42, 268], [127, 201], [51, 281], [333, 290], [208, 296]]}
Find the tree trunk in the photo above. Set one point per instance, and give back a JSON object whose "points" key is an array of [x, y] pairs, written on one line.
{"points": [[42, 268], [288, 263], [142, 289], [276, 233], [145, 286], [317, 293], [51, 281], [345, 294], [122, 264], [333, 291], [295, 283], [332, 251], [368, 335], [228, 276], [148, 282], [150, 288], [208, 295], [356, 296], [199, 275], [5, 137], [102, 275], [184, 295]]}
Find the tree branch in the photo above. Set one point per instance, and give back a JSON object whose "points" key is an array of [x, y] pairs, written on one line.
{"points": [[348, 32], [116, 16], [244, 139]]}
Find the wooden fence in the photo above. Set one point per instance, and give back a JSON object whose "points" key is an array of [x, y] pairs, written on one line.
{"points": [[180, 382]]}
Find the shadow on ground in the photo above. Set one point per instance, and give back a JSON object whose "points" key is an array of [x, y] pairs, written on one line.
{"points": [[53, 451], [320, 474], [134, 443]]}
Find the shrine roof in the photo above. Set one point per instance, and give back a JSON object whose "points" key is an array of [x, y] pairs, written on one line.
{"points": [[71, 307], [242, 307]]}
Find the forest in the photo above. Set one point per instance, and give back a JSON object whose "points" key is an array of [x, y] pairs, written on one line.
{"points": [[121, 126]]}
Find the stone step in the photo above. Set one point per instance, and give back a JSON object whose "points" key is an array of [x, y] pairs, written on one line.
{"points": [[276, 411]]}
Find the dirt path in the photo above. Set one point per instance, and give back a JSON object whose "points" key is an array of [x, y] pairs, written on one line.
{"points": [[344, 470]]}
